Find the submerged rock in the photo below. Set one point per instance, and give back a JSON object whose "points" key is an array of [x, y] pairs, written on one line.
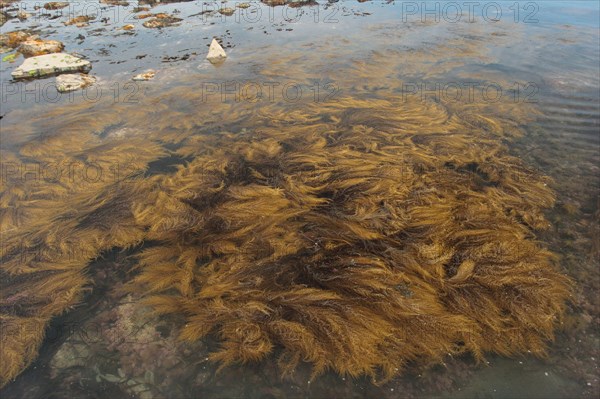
{"points": [[148, 75], [73, 81], [70, 354], [3, 17], [228, 11], [115, 2], [216, 54], [79, 21], [161, 21], [292, 3], [56, 5], [9, 58], [33, 47], [13, 39], [50, 64], [22, 15]]}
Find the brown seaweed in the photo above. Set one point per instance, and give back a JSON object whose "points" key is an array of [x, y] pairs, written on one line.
{"points": [[359, 236], [355, 248], [55, 220]]}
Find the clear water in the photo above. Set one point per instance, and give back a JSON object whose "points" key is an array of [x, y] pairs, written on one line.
{"points": [[545, 60]]}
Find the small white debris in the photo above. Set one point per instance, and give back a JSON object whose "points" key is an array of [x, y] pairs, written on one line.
{"points": [[216, 54]]}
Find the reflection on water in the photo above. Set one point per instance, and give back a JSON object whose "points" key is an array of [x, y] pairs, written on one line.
{"points": [[373, 224]]}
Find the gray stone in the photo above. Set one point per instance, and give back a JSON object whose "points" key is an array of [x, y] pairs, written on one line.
{"points": [[50, 64]]}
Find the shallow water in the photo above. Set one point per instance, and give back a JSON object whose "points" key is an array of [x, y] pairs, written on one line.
{"points": [[543, 63]]}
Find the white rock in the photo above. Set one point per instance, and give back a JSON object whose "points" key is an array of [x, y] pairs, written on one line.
{"points": [[50, 64], [216, 54], [72, 81]]}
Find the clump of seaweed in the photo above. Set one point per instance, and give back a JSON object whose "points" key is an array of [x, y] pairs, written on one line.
{"points": [[359, 236], [63, 203], [384, 233]]}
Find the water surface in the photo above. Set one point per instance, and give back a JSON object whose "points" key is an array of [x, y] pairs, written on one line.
{"points": [[529, 81]]}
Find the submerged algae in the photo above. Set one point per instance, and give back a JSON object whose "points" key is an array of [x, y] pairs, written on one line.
{"points": [[359, 235]]}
